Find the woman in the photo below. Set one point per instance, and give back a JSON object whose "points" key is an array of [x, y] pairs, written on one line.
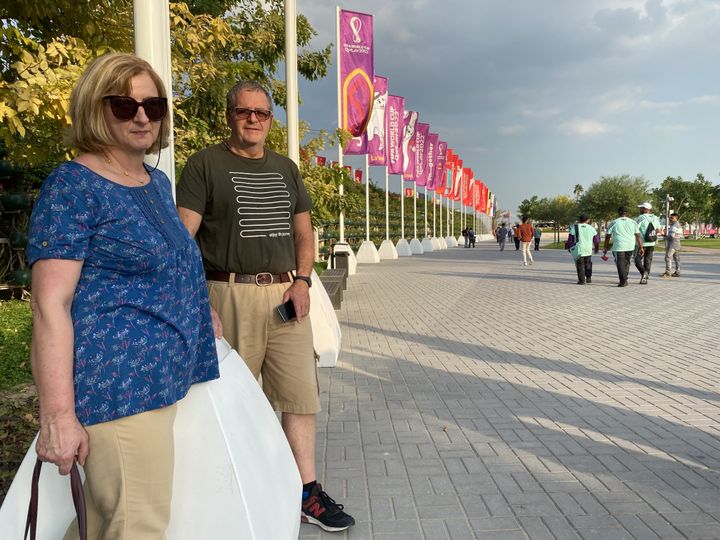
{"points": [[121, 320]]}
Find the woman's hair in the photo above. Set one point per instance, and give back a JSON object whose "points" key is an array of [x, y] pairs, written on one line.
{"points": [[110, 74]]}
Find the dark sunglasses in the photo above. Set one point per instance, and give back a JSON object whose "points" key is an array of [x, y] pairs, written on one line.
{"points": [[125, 107], [241, 113]]}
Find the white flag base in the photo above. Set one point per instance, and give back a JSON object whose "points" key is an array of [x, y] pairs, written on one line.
{"points": [[442, 242], [403, 248], [368, 253], [427, 245], [451, 241], [387, 250], [416, 247], [352, 261], [231, 457], [435, 244], [325, 326]]}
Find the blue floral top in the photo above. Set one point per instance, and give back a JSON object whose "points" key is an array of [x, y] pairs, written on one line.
{"points": [[141, 315]]}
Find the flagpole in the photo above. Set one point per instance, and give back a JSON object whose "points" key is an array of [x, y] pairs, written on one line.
{"points": [[341, 188], [414, 210], [402, 209], [425, 227], [387, 204], [367, 198], [433, 205]]}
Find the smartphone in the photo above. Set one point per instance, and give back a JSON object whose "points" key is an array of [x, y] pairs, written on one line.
{"points": [[286, 311]]}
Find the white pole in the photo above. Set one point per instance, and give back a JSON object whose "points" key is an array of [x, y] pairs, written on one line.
{"points": [[414, 211], [433, 205], [291, 82], [425, 227], [151, 19], [341, 189], [387, 204], [402, 208], [367, 198]]}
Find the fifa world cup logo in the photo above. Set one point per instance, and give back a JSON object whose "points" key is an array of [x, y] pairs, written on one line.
{"points": [[355, 26]]}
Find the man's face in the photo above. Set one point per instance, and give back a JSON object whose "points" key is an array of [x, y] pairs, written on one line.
{"points": [[673, 219], [250, 131]]}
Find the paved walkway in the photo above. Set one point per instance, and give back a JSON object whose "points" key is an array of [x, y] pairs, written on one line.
{"points": [[477, 398]]}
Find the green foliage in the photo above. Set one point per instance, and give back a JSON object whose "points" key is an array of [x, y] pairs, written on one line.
{"points": [[529, 207], [15, 333], [603, 198]]}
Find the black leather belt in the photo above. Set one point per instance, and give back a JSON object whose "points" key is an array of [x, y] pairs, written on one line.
{"points": [[261, 280]]}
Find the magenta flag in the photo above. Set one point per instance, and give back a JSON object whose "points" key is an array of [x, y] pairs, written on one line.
{"points": [[440, 174], [394, 125], [421, 136], [376, 126], [357, 69], [432, 156], [408, 145]]}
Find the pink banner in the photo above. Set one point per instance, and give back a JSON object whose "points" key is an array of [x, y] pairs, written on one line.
{"points": [[376, 127], [440, 173], [394, 125], [356, 76], [421, 135], [410, 123], [457, 178], [432, 156]]}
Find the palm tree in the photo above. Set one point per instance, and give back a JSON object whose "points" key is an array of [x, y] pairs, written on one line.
{"points": [[577, 191]]}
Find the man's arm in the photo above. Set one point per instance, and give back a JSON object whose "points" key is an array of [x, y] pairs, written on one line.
{"points": [[191, 219], [304, 256]]}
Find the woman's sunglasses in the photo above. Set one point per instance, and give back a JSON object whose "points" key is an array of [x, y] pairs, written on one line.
{"points": [[125, 108]]}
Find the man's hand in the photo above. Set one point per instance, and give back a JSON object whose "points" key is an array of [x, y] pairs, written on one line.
{"points": [[299, 293]]}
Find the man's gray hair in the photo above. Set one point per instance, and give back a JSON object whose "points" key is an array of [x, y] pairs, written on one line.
{"points": [[245, 86]]}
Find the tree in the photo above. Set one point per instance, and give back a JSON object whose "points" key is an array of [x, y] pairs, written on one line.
{"points": [[528, 207], [603, 198], [46, 45], [577, 191]]}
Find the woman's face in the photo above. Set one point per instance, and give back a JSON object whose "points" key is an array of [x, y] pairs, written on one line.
{"points": [[139, 133]]}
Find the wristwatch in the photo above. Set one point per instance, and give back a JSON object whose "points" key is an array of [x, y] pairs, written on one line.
{"points": [[306, 279]]}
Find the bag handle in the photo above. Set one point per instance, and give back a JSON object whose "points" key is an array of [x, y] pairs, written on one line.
{"points": [[78, 496]]}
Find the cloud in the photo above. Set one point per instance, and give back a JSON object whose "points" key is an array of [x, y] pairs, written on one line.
{"points": [[511, 130], [631, 22], [585, 127], [540, 113]]}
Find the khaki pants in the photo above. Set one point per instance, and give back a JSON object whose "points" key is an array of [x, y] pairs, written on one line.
{"points": [[129, 476]]}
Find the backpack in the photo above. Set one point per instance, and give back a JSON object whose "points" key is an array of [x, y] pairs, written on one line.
{"points": [[650, 233]]}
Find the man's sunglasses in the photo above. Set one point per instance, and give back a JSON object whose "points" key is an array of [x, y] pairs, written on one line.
{"points": [[125, 108], [241, 113]]}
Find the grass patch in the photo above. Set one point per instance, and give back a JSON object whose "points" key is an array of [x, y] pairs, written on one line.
{"points": [[708, 243], [18, 426], [15, 333]]}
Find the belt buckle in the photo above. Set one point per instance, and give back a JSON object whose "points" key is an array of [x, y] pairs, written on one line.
{"points": [[262, 282]]}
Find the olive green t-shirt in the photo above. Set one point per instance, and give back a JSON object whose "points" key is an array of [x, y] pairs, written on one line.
{"points": [[247, 207]]}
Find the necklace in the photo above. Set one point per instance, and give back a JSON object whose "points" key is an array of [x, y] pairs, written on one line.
{"points": [[126, 174]]}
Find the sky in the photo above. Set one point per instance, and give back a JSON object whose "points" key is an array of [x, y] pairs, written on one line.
{"points": [[537, 96]]}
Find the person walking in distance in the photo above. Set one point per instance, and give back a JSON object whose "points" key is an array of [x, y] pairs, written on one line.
{"points": [[536, 235], [625, 235], [249, 210], [502, 235], [673, 236], [525, 234], [649, 225]]}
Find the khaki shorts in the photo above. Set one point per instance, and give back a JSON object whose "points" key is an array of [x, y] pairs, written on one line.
{"points": [[281, 352]]}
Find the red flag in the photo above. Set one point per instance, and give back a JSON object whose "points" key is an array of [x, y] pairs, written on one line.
{"points": [[320, 161], [358, 176], [477, 195], [466, 179], [408, 192]]}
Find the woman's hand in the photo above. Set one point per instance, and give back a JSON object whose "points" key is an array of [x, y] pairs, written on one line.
{"points": [[216, 323], [62, 440]]}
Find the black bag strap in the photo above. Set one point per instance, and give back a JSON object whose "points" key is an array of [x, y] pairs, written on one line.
{"points": [[78, 496]]}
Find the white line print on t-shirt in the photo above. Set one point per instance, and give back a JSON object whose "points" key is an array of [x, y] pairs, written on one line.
{"points": [[263, 204]]}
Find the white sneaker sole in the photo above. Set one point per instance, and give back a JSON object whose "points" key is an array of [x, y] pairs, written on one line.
{"points": [[309, 519]]}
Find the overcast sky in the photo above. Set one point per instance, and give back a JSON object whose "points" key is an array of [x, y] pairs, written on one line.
{"points": [[540, 95]]}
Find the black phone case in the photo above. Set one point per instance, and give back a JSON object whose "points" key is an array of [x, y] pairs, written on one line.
{"points": [[286, 311]]}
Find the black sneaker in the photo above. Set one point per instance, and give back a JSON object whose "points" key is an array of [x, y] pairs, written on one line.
{"points": [[675, 274], [319, 509], [588, 280]]}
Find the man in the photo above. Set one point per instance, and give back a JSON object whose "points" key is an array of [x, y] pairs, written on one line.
{"points": [[584, 235], [649, 225], [471, 237], [250, 212], [464, 233], [673, 235], [625, 235], [502, 234], [525, 234], [537, 234]]}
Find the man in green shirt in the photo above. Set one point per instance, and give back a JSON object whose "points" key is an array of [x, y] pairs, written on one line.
{"points": [[584, 234], [649, 225], [625, 235]]}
